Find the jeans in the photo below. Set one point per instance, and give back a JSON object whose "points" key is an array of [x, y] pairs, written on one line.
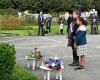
{"points": [[40, 30]]}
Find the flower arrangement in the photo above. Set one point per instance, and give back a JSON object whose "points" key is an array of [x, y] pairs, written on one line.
{"points": [[54, 63], [35, 54]]}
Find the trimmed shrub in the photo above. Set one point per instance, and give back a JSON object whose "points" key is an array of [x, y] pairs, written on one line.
{"points": [[7, 60]]}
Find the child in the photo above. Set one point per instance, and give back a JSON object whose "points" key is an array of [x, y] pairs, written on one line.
{"points": [[61, 23], [80, 42], [46, 32]]}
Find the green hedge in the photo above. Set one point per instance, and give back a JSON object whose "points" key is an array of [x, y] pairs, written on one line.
{"points": [[8, 68], [7, 60]]}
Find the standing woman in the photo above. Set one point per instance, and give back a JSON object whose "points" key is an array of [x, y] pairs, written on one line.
{"points": [[72, 31], [70, 19], [61, 23]]}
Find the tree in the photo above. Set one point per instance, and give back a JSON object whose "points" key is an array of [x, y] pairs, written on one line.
{"points": [[88, 4], [97, 4], [4, 4], [46, 5]]}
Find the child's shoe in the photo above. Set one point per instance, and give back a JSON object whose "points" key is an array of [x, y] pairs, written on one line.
{"points": [[79, 68]]}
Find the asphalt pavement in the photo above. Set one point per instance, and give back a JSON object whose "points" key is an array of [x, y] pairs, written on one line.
{"points": [[57, 46]]}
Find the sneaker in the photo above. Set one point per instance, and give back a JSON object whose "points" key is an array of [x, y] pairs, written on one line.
{"points": [[79, 68]]}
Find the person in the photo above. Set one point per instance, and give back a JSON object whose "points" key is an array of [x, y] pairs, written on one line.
{"points": [[40, 23], [61, 23], [46, 32], [94, 23], [70, 19], [80, 42], [48, 23], [72, 32]]}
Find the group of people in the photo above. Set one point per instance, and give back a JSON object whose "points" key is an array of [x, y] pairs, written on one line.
{"points": [[41, 30], [76, 31], [47, 22]]}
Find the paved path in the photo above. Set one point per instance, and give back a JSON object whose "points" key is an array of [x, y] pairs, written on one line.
{"points": [[56, 46]]}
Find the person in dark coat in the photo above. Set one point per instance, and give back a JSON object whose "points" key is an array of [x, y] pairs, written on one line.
{"points": [[94, 23], [70, 19], [40, 23], [72, 31], [48, 23]]}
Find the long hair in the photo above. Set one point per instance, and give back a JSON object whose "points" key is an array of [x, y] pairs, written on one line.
{"points": [[84, 22], [77, 12]]}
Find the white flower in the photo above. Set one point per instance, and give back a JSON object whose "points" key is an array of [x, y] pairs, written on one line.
{"points": [[62, 67], [53, 64], [55, 58], [37, 50]]}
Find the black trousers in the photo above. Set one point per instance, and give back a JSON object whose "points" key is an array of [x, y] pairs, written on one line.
{"points": [[41, 30], [61, 30], [74, 51], [75, 56], [94, 29], [48, 28]]}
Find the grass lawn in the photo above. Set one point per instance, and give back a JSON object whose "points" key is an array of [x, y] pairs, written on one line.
{"points": [[54, 30], [20, 32], [22, 74], [32, 31]]}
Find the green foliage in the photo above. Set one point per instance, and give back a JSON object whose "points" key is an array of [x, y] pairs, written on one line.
{"points": [[7, 60], [9, 11], [31, 32], [4, 4], [22, 74], [69, 4], [88, 4], [54, 30], [45, 5], [10, 22], [97, 4], [30, 19]]}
